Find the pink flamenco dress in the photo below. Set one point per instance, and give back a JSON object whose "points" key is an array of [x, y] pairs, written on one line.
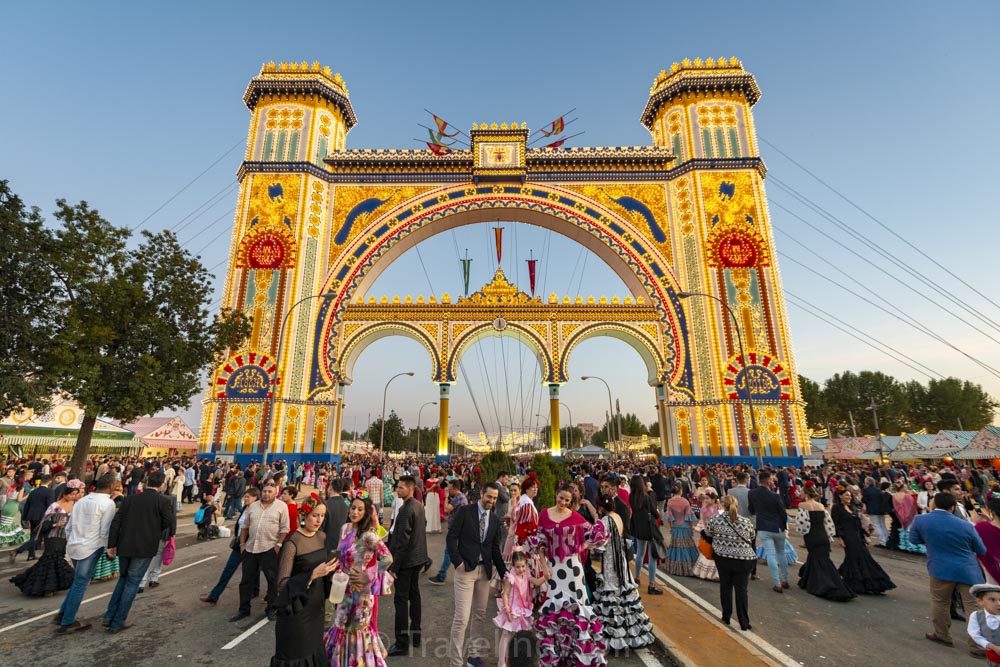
{"points": [[518, 618], [569, 632], [353, 639]]}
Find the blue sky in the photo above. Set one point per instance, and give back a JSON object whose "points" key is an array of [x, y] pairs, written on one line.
{"points": [[891, 103]]}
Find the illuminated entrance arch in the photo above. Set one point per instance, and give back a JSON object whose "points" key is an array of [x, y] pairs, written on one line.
{"points": [[687, 213]]}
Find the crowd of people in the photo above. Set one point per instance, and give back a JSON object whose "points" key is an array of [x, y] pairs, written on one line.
{"points": [[566, 580]]}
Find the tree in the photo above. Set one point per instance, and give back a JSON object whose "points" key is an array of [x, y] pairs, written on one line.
{"points": [[950, 403], [428, 440], [817, 408], [27, 289], [394, 441], [569, 437], [848, 395], [134, 333]]}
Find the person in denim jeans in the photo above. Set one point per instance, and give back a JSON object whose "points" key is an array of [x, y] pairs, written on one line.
{"points": [[235, 555], [86, 538], [771, 521]]}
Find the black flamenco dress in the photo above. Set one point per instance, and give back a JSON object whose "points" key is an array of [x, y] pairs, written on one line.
{"points": [[819, 576], [298, 632], [859, 570], [52, 573]]}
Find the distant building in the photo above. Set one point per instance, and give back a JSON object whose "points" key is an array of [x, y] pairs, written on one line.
{"points": [[164, 436], [588, 431], [53, 432]]}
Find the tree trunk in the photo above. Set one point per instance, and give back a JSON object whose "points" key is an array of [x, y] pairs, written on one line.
{"points": [[78, 464]]}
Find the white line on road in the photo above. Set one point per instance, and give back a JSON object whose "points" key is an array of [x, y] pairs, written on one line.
{"points": [[647, 658], [254, 628], [7, 628], [766, 647]]}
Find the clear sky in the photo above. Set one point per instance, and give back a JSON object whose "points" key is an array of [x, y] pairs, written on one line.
{"points": [[891, 103]]}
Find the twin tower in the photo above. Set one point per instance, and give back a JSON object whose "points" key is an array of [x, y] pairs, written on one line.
{"points": [[683, 222]]}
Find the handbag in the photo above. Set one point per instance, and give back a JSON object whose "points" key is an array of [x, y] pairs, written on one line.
{"points": [[169, 551]]}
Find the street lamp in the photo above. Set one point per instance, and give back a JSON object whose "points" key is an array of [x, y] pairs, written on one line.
{"points": [[569, 429], [611, 409], [546, 426], [754, 436], [274, 381], [385, 392], [878, 433], [420, 412]]}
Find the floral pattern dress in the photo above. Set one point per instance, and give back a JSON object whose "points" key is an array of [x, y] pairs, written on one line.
{"points": [[569, 632], [353, 639]]}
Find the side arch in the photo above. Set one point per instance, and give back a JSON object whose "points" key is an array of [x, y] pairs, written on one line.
{"points": [[359, 340], [547, 366], [656, 369]]}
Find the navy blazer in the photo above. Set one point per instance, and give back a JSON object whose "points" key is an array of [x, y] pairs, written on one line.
{"points": [[768, 510], [466, 547]]}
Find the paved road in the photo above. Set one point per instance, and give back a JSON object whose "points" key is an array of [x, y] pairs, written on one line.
{"points": [[173, 627]]}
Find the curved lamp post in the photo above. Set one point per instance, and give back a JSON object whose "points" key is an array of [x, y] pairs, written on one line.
{"points": [[546, 425], [420, 412], [754, 435], [611, 409], [274, 381], [569, 429], [385, 392]]}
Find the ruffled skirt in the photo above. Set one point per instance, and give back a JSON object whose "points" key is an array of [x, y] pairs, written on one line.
{"points": [[11, 534], [570, 636], [862, 574], [619, 608], [906, 545], [819, 576], [515, 622], [705, 568], [50, 574], [106, 569], [790, 554], [683, 554]]}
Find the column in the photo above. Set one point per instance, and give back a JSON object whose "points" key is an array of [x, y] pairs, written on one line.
{"points": [[555, 446], [661, 415], [337, 420], [443, 418]]}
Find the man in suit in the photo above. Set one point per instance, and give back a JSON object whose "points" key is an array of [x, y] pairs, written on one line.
{"points": [[952, 545], [34, 509], [336, 514], [784, 486], [473, 543], [135, 538], [771, 519], [408, 546]]}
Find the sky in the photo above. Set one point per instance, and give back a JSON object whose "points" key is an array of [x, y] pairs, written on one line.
{"points": [[871, 112]]}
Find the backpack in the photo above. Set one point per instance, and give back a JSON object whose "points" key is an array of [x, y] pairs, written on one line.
{"points": [[199, 515]]}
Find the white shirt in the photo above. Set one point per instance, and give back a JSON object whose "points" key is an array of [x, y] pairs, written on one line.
{"points": [[975, 631], [89, 525]]}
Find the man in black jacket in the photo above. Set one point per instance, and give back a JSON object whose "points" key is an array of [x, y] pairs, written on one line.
{"points": [[337, 506], [473, 543], [236, 485], [135, 539], [34, 509], [771, 518], [408, 545]]}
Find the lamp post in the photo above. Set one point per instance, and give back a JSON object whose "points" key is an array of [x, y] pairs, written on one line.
{"points": [[611, 409], [754, 435], [569, 429], [878, 433], [274, 381], [546, 425], [420, 412], [385, 393]]}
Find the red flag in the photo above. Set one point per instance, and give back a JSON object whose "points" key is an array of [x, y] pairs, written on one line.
{"points": [[555, 144], [557, 126], [498, 233], [442, 126], [438, 149], [531, 274]]}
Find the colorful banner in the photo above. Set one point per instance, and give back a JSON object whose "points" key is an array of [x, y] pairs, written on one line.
{"points": [[498, 233], [557, 126], [532, 263], [466, 266], [442, 126], [438, 149], [555, 144]]}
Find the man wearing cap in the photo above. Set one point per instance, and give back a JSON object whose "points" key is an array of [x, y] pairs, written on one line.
{"points": [[952, 545]]}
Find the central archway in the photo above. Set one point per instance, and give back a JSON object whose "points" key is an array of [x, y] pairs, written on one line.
{"points": [[612, 237]]}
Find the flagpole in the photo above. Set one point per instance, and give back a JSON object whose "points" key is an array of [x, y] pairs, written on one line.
{"points": [[563, 140]]}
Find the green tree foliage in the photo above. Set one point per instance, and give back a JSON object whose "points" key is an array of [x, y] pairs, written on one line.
{"points": [[394, 440], [494, 463], [428, 440], [550, 473], [817, 409], [569, 437], [134, 330], [950, 403], [27, 313], [631, 425], [852, 393]]}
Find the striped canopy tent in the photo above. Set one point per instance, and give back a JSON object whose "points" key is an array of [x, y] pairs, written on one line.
{"points": [[819, 444], [889, 443], [948, 443], [22, 445], [985, 444], [911, 446], [845, 449]]}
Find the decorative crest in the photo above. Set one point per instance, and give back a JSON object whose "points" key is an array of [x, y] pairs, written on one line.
{"points": [[499, 290]]}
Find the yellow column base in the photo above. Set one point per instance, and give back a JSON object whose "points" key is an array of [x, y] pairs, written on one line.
{"points": [[555, 445], [443, 419]]}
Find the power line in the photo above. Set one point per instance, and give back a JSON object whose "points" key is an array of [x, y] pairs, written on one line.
{"points": [[878, 222], [190, 183], [206, 206], [209, 226]]}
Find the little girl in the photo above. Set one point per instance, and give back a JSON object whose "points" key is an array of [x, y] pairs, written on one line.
{"points": [[514, 613]]}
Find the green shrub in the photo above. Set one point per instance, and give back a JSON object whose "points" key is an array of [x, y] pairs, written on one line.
{"points": [[494, 463]]}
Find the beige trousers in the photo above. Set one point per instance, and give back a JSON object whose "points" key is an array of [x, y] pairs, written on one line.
{"points": [[941, 607], [472, 595]]}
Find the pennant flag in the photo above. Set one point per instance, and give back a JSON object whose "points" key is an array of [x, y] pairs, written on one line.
{"points": [[498, 233], [442, 126], [466, 266], [555, 144], [532, 263], [438, 149], [557, 126]]}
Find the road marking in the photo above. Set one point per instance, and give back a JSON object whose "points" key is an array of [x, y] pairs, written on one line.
{"points": [[766, 647], [7, 628], [647, 658], [254, 628]]}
